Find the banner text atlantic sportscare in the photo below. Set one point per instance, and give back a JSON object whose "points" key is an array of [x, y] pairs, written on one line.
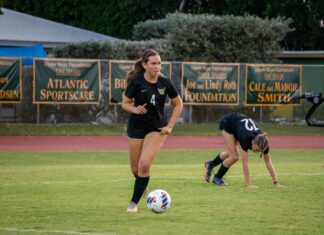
{"points": [[66, 81]]}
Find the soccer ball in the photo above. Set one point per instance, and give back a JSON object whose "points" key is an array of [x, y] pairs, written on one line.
{"points": [[158, 201]]}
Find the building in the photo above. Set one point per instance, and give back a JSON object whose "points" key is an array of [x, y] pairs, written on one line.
{"points": [[302, 57], [20, 29], [27, 36]]}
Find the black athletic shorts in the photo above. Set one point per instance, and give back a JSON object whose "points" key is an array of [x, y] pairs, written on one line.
{"points": [[227, 123], [137, 130]]}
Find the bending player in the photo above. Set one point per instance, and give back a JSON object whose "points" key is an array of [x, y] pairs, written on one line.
{"points": [[238, 128]]}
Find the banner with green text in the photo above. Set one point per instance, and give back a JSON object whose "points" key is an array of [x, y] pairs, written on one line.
{"points": [[210, 83], [10, 80], [118, 70], [66, 81], [273, 85]]}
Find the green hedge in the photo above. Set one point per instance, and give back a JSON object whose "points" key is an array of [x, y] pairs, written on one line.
{"points": [[189, 37], [118, 50], [150, 29]]}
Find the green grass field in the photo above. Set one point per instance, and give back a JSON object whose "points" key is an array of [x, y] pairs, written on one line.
{"points": [[88, 192]]}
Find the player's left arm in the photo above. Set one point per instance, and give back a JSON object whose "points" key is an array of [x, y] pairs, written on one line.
{"points": [[272, 171], [178, 105]]}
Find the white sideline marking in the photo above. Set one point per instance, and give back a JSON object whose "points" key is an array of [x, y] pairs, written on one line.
{"points": [[45, 183], [230, 176], [161, 178], [16, 230]]}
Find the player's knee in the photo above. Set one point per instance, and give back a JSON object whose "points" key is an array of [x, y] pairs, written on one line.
{"points": [[235, 157], [144, 167], [224, 155]]}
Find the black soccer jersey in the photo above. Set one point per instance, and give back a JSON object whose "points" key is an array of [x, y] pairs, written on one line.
{"points": [[243, 128], [153, 95]]}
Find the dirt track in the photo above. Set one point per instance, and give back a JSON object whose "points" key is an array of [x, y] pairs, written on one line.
{"points": [[96, 143]]}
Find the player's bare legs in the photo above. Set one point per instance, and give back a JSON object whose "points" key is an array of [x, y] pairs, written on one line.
{"points": [[230, 158], [153, 142], [135, 150], [233, 154], [148, 149]]}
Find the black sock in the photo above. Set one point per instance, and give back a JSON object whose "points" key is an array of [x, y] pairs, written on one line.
{"points": [[139, 188], [217, 160], [221, 171]]}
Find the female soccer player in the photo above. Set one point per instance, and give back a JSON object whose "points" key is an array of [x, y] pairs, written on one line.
{"points": [[238, 128], [147, 126]]}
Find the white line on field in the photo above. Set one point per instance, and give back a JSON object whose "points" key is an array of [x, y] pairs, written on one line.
{"points": [[230, 176], [45, 182], [16, 230], [161, 178]]}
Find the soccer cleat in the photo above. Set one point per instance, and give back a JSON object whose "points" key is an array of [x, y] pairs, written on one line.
{"points": [[209, 168], [219, 181], [132, 207]]}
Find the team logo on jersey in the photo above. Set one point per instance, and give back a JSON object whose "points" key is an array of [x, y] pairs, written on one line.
{"points": [[161, 91]]}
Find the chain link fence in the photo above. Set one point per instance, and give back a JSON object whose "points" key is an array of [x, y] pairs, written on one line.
{"points": [[104, 113]]}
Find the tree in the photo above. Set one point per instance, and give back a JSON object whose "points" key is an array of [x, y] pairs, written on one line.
{"points": [[117, 17], [113, 17], [307, 16]]}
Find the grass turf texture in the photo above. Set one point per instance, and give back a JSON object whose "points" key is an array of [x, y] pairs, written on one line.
{"points": [[88, 192]]}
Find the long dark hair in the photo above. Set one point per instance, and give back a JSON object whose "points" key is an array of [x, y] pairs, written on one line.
{"points": [[138, 68]]}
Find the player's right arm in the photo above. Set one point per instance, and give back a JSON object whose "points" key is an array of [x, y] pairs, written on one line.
{"points": [[128, 106], [246, 170]]}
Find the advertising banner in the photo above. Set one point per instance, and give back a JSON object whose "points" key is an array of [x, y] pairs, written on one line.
{"points": [[66, 81], [273, 84], [10, 80], [210, 83]]}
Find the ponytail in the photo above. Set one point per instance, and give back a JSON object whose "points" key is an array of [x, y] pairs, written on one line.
{"points": [[261, 140], [138, 68]]}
